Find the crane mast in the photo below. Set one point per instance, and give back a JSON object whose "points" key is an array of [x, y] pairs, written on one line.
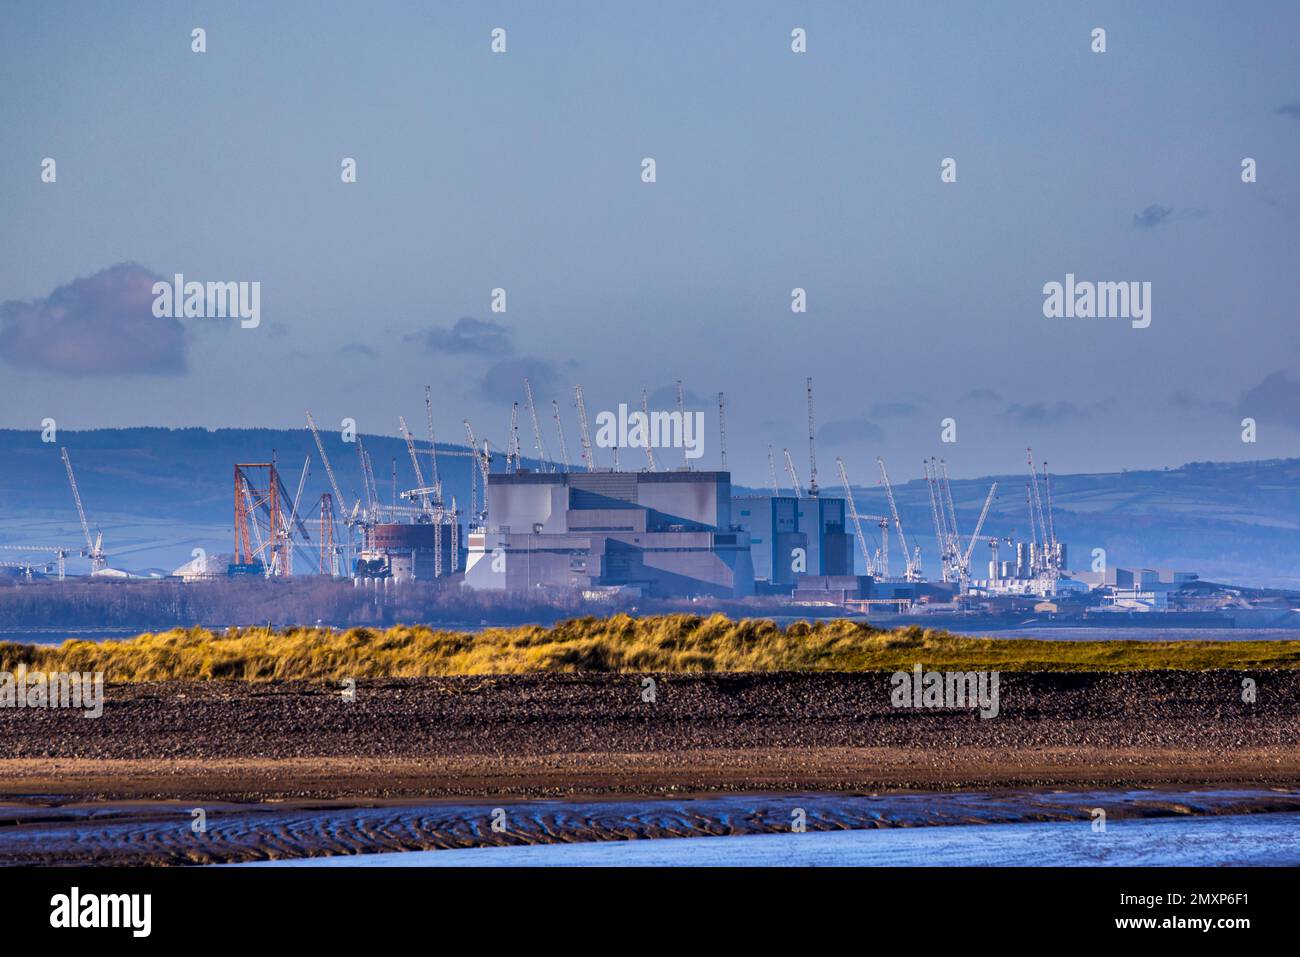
{"points": [[812, 446], [911, 562], [853, 514], [543, 458], [559, 427], [94, 549], [649, 451], [794, 476], [433, 449], [681, 411], [722, 428], [588, 453]]}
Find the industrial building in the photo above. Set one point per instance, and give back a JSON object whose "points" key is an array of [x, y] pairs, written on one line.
{"points": [[792, 536], [410, 551], [655, 533]]}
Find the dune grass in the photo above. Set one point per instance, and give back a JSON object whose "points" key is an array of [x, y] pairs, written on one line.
{"points": [[669, 643]]}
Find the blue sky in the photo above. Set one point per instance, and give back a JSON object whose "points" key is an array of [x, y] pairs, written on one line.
{"points": [[775, 170]]}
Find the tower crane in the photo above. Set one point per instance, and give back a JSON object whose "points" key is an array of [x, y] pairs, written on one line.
{"points": [[853, 514], [94, 549], [433, 449], [794, 476], [771, 472], [812, 446], [588, 453], [348, 521], [559, 427], [649, 450], [912, 561], [513, 451], [415, 464], [722, 428], [543, 458], [975, 536], [681, 411]]}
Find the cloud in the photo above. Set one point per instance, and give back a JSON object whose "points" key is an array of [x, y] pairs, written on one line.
{"points": [[97, 325], [1155, 215], [469, 336], [1187, 402], [1291, 109], [358, 350], [894, 410], [503, 382], [1152, 216], [982, 394], [1040, 413], [849, 431], [1277, 398]]}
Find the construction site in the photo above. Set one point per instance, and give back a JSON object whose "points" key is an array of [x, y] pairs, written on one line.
{"points": [[621, 524]]}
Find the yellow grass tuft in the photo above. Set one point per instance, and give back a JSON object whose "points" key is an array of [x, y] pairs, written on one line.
{"points": [[668, 643]]}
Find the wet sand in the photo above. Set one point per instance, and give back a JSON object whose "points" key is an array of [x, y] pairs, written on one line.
{"points": [[164, 833], [553, 735]]}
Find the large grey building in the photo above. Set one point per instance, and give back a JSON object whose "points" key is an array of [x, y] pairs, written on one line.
{"points": [[794, 536], [662, 533]]}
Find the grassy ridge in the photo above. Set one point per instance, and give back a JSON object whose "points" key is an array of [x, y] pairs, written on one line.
{"points": [[670, 643]]}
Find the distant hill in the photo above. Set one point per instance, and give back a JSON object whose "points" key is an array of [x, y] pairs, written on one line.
{"points": [[159, 493]]}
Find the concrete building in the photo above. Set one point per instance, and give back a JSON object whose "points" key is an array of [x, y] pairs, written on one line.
{"points": [[794, 536], [657, 533]]}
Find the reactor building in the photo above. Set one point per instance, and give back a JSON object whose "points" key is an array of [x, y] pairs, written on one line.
{"points": [[792, 537], [655, 533]]}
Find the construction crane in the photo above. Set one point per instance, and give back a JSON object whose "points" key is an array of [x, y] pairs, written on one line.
{"points": [[812, 446], [334, 485], [543, 458], [912, 561], [681, 411], [59, 552], [940, 531], [421, 490], [794, 476], [771, 472], [559, 428], [588, 453], [975, 536], [649, 451], [722, 428], [94, 549], [474, 469], [513, 453], [433, 449], [1044, 559], [853, 514]]}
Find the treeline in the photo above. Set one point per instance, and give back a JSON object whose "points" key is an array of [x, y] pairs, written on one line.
{"points": [[160, 604]]}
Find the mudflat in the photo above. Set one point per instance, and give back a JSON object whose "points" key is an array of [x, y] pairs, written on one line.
{"points": [[549, 735]]}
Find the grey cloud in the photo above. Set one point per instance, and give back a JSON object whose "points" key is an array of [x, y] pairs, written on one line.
{"points": [[1291, 109], [1156, 215], [470, 336], [849, 431], [358, 349], [97, 325], [1277, 397], [982, 394], [503, 382], [1041, 413]]}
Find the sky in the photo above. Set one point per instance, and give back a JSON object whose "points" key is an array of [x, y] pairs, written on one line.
{"points": [[775, 170]]}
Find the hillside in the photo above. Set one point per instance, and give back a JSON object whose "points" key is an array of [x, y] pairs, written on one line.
{"points": [[159, 493]]}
